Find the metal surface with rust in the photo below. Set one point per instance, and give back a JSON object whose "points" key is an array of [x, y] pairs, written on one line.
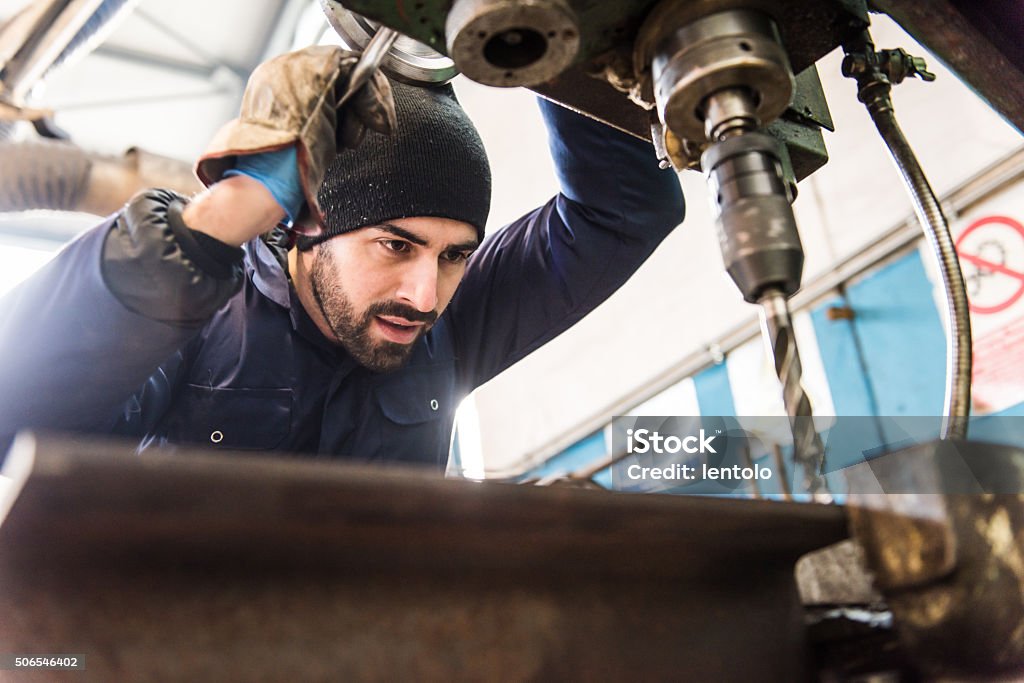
{"points": [[981, 40], [809, 28], [942, 525], [836, 575], [201, 567]]}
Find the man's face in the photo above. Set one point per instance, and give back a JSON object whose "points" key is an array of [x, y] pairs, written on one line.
{"points": [[376, 290]]}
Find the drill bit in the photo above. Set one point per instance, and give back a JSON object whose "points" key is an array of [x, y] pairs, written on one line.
{"points": [[777, 329]]}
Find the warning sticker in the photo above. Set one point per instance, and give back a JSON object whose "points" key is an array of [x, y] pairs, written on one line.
{"points": [[992, 259], [990, 244]]}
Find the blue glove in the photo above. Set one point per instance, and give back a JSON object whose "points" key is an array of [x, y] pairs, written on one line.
{"points": [[279, 173]]}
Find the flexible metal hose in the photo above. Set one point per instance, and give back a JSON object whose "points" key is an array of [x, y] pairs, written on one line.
{"points": [[936, 229]]}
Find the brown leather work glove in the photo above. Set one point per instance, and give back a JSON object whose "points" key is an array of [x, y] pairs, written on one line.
{"points": [[291, 99]]}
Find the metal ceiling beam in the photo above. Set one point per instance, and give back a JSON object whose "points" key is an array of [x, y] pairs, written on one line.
{"points": [[240, 71], [281, 32], [177, 66]]}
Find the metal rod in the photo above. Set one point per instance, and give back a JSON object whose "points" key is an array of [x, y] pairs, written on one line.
{"points": [[46, 52], [26, 26], [777, 329], [780, 464]]}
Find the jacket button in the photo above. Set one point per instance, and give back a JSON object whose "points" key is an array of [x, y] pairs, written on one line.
{"points": [[433, 404], [217, 436]]}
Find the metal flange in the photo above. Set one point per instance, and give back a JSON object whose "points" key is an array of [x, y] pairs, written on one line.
{"points": [[510, 43], [733, 49]]}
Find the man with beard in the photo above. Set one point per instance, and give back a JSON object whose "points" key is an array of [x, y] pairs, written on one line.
{"points": [[355, 332]]}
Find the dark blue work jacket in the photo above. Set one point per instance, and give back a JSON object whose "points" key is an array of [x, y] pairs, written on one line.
{"points": [[259, 375]]}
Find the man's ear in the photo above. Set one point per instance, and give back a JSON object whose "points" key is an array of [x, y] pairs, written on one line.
{"points": [[299, 263], [305, 223]]}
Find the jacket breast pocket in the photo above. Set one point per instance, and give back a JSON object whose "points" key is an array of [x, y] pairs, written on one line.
{"points": [[417, 410], [236, 419]]}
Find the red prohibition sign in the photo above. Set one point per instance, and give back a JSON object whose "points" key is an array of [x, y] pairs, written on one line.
{"points": [[985, 264]]}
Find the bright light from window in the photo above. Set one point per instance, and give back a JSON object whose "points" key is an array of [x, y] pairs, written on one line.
{"points": [[17, 263], [28, 239], [470, 452]]}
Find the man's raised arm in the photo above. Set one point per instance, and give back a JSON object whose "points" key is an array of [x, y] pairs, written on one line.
{"points": [[546, 271]]}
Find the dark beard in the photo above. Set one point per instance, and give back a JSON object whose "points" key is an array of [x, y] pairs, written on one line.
{"points": [[351, 330]]}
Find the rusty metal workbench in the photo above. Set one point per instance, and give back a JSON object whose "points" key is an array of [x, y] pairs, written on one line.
{"points": [[200, 567]]}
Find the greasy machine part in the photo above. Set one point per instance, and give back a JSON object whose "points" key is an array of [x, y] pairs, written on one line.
{"points": [[607, 48], [756, 229], [722, 78], [942, 527], [736, 49], [408, 60]]}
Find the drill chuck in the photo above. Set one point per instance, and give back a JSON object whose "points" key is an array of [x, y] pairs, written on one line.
{"points": [[756, 228]]}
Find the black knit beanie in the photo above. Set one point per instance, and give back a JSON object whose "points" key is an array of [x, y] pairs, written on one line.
{"points": [[434, 164]]}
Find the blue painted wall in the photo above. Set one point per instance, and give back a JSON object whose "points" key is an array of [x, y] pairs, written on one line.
{"points": [[900, 335], [714, 393], [586, 451]]}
